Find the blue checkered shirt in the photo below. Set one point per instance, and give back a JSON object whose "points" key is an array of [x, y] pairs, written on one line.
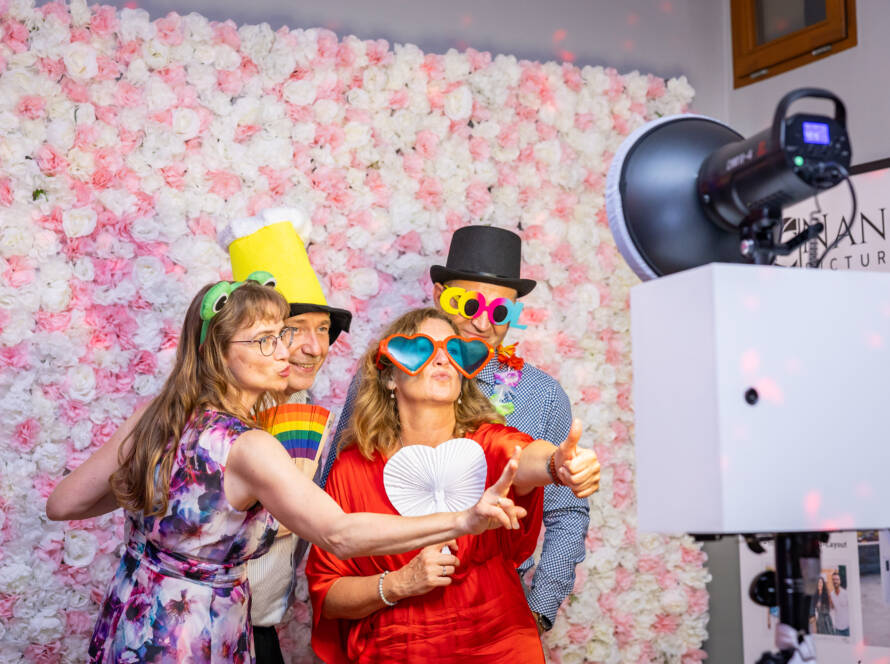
{"points": [[542, 410]]}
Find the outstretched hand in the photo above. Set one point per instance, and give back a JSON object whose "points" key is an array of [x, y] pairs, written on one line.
{"points": [[577, 467], [494, 509]]}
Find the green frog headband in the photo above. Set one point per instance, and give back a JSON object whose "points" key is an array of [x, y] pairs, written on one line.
{"points": [[215, 298]]}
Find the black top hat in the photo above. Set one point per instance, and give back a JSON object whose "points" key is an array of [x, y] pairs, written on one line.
{"points": [[484, 253], [340, 318]]}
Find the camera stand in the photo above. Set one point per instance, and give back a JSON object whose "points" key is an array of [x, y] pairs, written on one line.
{"points": [[760, 232], [790, 587]]}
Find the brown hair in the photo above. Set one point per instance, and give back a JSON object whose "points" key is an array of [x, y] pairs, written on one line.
{"points": [[200, 379], [374, 425]]}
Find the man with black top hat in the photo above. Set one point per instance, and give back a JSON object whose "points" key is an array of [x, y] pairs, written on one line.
{"points": [[270, 242], [478, 288]]}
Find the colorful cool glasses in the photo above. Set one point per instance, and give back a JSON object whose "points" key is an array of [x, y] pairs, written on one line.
{"points": [[412, 353], [471, 304]]}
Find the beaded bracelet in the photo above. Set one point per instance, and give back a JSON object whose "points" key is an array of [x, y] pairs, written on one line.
{"points": [[380, 590], [551, 468]]}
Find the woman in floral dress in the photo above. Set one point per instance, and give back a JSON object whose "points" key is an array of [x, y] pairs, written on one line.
{"points": [[204, 489]]}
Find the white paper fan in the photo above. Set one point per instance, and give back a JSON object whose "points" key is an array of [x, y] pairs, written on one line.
{"points": [[422, 480]]}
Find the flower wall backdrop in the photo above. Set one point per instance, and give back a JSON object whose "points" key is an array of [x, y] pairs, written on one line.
{"points": [[126, 144]]}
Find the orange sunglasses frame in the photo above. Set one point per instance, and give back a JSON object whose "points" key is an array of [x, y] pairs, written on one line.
{"points": [[383, 351]]}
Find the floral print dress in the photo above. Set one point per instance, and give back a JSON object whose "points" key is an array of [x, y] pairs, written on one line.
{"points": [[180, 593]]}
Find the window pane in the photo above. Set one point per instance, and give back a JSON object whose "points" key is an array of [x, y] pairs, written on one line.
{"points": [[777, 18]]}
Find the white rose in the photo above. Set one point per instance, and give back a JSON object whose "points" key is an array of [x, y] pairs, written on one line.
{"points": [[18, 327], [15, 238], [364, 282], [148, 270], [80, 164], [80, 548], [78, 222], [15, 577], [82, 435], [159, 97], [186, 123], [60, 132], [155, 54], [55, 295], [301, 93], [81, 383], [459, 103], [45, 629], [80, 61], [326, 110], [50, 457], [674, 601]]}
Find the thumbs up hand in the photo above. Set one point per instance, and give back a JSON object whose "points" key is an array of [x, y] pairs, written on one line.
{"points": [[577, 467]]}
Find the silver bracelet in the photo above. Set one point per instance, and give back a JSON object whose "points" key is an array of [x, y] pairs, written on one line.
{"points": [[380, 590]]}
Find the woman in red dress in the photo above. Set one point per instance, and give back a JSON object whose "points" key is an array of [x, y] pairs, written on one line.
{"points": [[428, 605]]}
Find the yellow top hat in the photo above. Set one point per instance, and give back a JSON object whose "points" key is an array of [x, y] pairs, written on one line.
{"points": [[272, 242]]}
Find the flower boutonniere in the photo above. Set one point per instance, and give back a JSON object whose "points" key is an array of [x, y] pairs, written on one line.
{"points": [[506, 379]]}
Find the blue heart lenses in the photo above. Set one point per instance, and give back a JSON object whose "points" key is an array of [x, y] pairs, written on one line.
{"points": [[410, 353], [470, 355]]}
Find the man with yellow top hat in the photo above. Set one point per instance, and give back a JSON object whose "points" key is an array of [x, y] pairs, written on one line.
{"points": [[272, 242]]}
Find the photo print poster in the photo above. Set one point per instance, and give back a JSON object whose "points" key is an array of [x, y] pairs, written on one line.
{"points": [[850, 610]]}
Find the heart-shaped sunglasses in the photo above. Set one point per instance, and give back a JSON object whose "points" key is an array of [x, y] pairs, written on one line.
{"points": [[412, 353]]}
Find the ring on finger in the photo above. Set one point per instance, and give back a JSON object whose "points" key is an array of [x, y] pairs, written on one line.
{"points": [[444, 571]]}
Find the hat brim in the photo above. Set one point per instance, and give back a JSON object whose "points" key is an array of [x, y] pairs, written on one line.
{"points": [[340, 318], [441, 274]]}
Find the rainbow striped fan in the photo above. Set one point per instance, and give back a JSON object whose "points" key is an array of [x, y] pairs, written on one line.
{"points": [[301, 429]]}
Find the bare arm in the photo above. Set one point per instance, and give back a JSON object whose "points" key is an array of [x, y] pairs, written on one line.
{"points": [[258, 468], [86, 492], [576, 467], [354, 597]]}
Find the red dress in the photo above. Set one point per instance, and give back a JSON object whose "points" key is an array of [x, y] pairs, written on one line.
{"points": [[482, 617]]}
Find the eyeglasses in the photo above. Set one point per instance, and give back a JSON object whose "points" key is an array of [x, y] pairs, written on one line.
{"points": [[412, 353], [269, 342]]}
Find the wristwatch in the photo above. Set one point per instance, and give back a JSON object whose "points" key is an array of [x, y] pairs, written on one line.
{"points": [[542, 622]]}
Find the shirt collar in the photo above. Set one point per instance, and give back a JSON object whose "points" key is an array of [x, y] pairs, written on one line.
{"points": [[488, 371]]}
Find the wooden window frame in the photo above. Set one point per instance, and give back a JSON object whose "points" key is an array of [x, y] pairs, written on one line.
{"points": [[752, 62]]}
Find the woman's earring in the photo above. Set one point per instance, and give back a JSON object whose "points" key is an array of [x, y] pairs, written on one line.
{"points": [[392, 394], [459, 401]]}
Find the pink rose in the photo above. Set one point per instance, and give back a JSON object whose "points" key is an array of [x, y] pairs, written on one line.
{"points": [[480, 150], [579, 634], [399, 99], [50, 160], [329, 135], [7, 603], [170, 29], [6, 195], [430, 193], [624, 628], [79, 621], [203, 225], [19, 271], [15, 35], [44, 484], [44, 654], [224, 183], [15, 357], [127, 94], [426, 144], [478, 198], [76, 92], [230, 81], [666, 624], [227, 33], [31, 107], [650, 565], [144, 362], [25, 435]]}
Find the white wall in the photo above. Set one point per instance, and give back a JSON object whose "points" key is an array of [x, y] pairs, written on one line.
{"points": [[663, 37], [860, 76]]}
